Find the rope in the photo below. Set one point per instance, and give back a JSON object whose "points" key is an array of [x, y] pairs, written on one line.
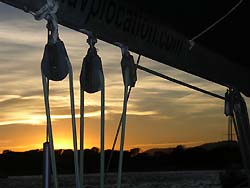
{"points": [[179, 82], [87, 85], [72, 103], [125, 103], [49, 127], [48, 12], [230, 131], [215, 23], [102, 158], [81, 137], [119, 125]]}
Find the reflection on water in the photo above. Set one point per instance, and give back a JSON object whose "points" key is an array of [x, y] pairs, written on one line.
{"points": [[186, 179]]}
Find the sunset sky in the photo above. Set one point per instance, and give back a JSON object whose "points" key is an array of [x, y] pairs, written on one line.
{"points": [[160, 113]]}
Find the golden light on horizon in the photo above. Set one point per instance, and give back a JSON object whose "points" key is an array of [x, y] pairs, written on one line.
{"points": [[62, 143]]}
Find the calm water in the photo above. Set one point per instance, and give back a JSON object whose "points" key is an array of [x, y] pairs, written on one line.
{"points": [[187, 179]]}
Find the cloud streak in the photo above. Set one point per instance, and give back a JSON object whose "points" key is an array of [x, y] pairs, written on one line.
{"points": [[154, 102]]}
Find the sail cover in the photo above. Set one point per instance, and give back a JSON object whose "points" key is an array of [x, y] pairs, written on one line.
{"points": [[162, 30]]}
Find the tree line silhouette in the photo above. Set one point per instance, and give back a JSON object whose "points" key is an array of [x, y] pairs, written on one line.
{"points": [[205, 157]]}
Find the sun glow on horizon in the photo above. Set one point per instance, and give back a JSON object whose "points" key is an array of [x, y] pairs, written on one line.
{"points": [[65, 143]]}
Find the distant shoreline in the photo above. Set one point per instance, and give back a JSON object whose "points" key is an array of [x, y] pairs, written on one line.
{"points": [[207, 157]]}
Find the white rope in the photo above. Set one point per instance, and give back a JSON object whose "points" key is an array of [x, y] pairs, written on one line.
{"points": [[81, 138], [92, 41], [50, 8], [120, 123], [48, 12], [102, 139], [102, 157], [49, 127], [125, 103], [73, 119], [191, 41]]}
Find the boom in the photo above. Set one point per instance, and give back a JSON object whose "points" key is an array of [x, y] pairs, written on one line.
{"points": [[143, 31]]}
